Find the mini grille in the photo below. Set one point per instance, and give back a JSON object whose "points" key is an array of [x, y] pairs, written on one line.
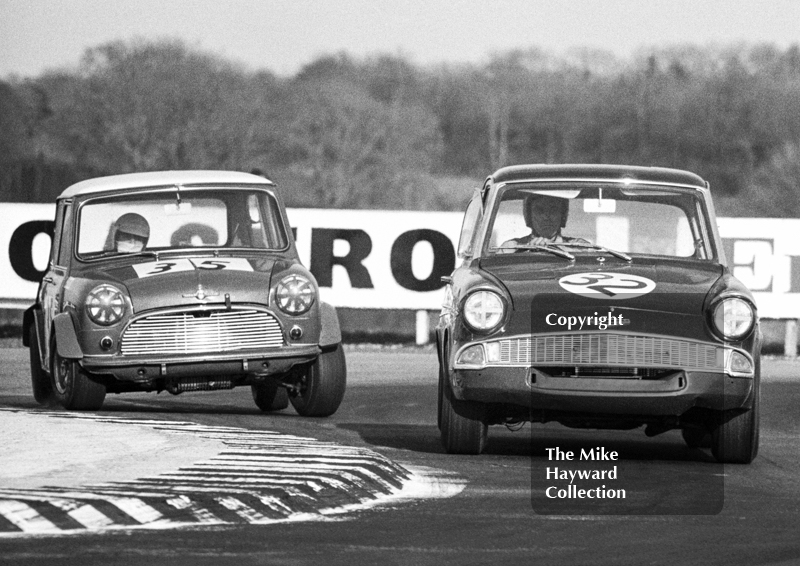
{"points": [[610, 349], [201, 332]]}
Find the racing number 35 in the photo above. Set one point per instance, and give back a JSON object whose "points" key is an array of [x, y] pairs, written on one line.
{"points": [[172, 266]]}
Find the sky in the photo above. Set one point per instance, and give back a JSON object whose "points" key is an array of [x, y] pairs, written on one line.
{"points": [[282, 36]]}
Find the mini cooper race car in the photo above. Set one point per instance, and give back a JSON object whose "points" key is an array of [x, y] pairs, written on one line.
{"points": [[180, 281], [597, 297]]}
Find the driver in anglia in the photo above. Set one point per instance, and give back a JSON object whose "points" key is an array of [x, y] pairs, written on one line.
{"points": [[601, 322]]}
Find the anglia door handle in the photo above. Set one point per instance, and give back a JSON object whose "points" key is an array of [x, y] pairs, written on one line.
{"points": [[48, 279]]}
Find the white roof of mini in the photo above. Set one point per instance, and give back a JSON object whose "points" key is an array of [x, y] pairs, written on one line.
{"points": [[162, 179]]}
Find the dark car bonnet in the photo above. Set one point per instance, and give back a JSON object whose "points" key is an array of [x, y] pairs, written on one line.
{"points": [[651, 296]]}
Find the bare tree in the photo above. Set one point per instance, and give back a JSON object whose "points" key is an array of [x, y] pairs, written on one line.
{"points": [[358, 149], [147, 106]]}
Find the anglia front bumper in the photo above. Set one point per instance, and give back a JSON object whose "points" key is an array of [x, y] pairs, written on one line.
{"points": [[604, 373]]}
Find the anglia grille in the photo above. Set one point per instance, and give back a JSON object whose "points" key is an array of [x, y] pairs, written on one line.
{"points": [[196, 332], [610, 349]]}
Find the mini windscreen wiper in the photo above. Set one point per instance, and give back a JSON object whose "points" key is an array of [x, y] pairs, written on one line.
{"points": [[615, 253], [143, 253], [115, 253], [551, 248]]}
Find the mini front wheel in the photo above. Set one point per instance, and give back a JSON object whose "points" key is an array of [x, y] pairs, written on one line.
{"points": [[321, 390], [72, 387]]}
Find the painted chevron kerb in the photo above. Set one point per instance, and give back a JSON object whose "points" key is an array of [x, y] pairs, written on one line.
{"points": [[261, 477]]}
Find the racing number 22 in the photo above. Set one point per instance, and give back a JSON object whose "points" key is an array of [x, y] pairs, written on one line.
{"points": [[592, 281]]}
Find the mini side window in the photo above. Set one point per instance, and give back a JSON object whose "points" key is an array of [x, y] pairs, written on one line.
{"points": [[63, 235], [58, 229]]}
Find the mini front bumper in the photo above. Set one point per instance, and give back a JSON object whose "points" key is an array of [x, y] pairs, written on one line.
{"points": [[143, 369]]}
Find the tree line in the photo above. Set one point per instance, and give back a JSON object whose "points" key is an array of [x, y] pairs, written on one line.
{"points": [[382, 132]]}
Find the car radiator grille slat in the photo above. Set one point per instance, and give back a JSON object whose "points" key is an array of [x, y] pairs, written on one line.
{"points": [[192, 333], [610, 349]]}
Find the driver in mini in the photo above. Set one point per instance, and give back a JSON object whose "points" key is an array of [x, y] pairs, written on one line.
{"points": [[545, 216], [131, 232]]}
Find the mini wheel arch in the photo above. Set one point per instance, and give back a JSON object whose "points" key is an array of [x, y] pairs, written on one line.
{"points": [[66, 337], [330, 333]]}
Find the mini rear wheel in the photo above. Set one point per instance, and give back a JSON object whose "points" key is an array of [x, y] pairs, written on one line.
{"points": [[40, 380]]}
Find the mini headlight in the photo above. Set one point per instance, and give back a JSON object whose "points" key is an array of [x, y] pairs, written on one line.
{"points": [[294, 294], [483, 310], [105, 305], [733, 318]]}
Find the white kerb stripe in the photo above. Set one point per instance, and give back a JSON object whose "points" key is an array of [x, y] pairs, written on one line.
{"points": [[202, 515], [244, 511], [25, 517], [136, 508], [86, 515]]}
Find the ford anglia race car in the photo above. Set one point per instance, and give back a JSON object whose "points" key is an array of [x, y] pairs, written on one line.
{"points": [[180, 281], [597, 297]]}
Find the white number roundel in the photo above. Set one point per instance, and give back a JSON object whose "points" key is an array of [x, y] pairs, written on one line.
{"points": [[610, 286]]}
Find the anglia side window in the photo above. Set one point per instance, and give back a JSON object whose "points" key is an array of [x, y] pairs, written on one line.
{"points": [[472, 217]]}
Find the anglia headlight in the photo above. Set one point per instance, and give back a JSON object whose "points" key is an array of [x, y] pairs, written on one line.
{"points": [[105, 305], [733, 318], [483, 310], [294, 294]]}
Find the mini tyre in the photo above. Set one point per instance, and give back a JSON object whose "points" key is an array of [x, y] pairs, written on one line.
{"points": [[321, 390], [269, 396], [735, 438], [40, 380], [72, 387], [463, 426]]}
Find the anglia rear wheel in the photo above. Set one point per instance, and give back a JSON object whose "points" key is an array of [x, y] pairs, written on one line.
{"points": [[269, 396], [321, 390], [40, 380], [72, 387]]}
